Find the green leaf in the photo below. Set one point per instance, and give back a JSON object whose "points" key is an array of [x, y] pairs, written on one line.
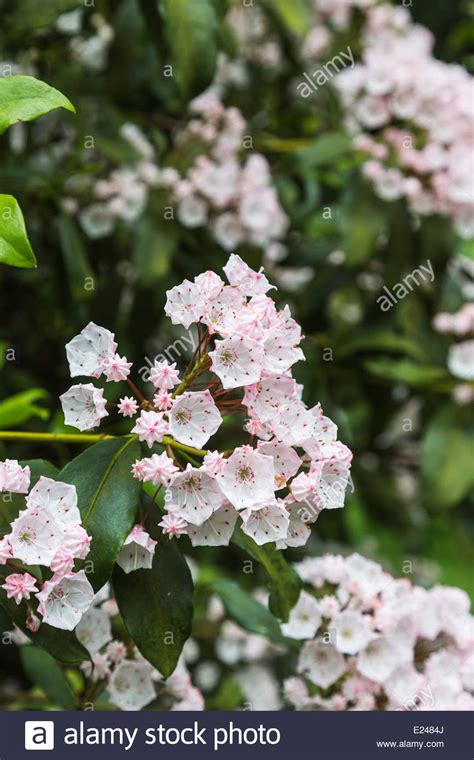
{"points": [[401, 371], [294, 15], [15, 248], [324, 149], [285, 583], [191, 32], [44, 671], [247, 611], [157, 606], [153, 250], [21, 407], [381, 340], [108, 499], [31, 14], [364, 219], [25, 98], [75, 258], [447, 455]]}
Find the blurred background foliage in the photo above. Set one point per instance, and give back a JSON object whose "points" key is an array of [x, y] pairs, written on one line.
{"points": [[381, 376]]}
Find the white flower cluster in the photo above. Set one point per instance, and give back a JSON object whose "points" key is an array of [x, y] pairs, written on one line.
{"points": [[235, 197], [413, 116], [293, 465], [367, 641], [377, 643], [121, 196], [48, 533]]}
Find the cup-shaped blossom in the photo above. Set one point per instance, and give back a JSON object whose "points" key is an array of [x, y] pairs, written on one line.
{"points": [[321, 662], [87, 351], [184, 304], [14, 477], [194, 417], [64, 599], [138, 550], [248, 478], [193, 495], [237, 361], [94, 630], [217, 530], [267, 523], [83, 406], [131, 685]]}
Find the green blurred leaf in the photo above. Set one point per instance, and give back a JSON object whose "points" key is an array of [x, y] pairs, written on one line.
{"points": [[30, 14], [108, 499], [153, 249], [22, 407], [75, 258], [402, 371], [44, 671], [191, 33], [157, 606], [363, 220], [381, 340], [15, 248], [285, 584], [294, 15], [324, 149], [447, 456], [25, 98], [247, 611]]}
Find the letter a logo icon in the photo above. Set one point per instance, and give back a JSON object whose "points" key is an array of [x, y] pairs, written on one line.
{"points": [[39, 734]]}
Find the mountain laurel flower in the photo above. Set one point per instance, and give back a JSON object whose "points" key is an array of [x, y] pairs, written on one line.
{"points": [[173, 525], [116, 368], [127, 406], [237, 361], [64, 599], [194, 417], [248, 478], [13, 477], [137, 551], [164, 375], [19, 586], [151, 427], [88, 350], [5, 551], [83, 406], [193, 495], [163, 400], [242, 364], [158, 469]]}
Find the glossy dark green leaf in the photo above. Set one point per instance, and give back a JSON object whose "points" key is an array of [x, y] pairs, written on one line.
{"points": [[285, 584], [15, 248], [44, 671], [191, 32], [157, 606], [447, 456], [108, 499], [25, 98], [247, 611]]}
